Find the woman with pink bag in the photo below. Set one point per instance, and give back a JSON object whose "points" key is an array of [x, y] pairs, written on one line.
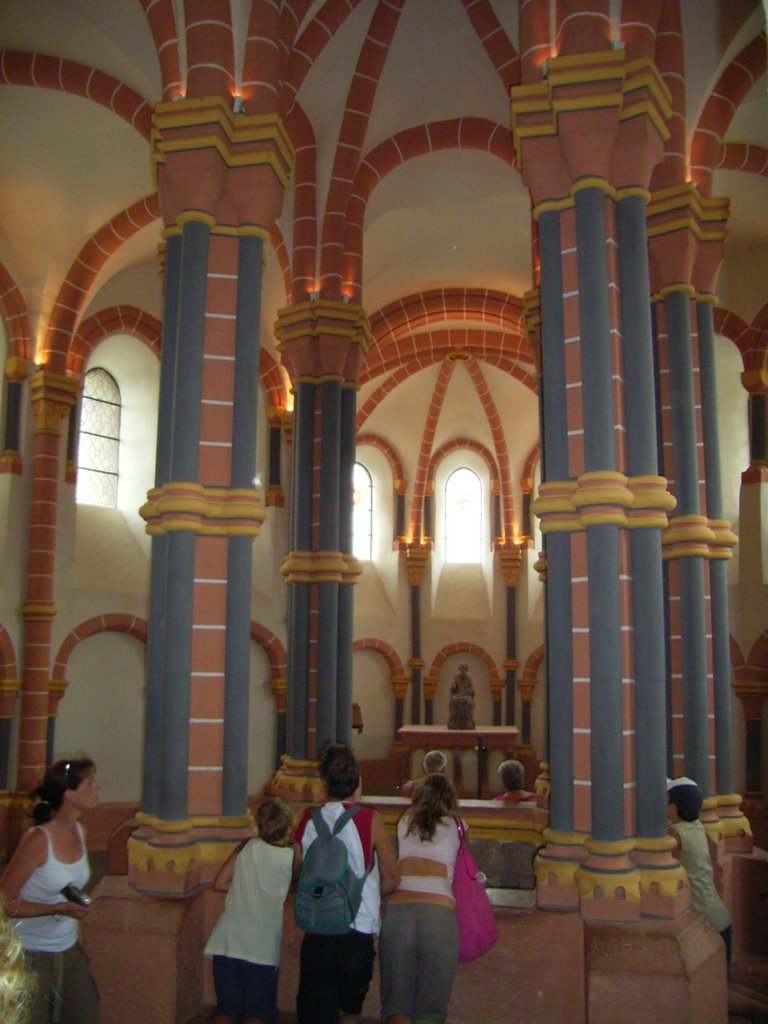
{"points": [[419, 942]]}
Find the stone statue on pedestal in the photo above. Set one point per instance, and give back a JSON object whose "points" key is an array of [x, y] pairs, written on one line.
{"points": [[461, 707]]}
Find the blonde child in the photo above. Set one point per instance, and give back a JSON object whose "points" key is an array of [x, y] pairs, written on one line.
{"points": [[245, 941]]}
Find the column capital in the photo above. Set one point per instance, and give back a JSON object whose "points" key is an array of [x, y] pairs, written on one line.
{"points": [[9, 689], [53, 395], [400, 686], [416, 561], [199, 144], [430, 686], [686, 239], [509, 560], [56, 690], [17, 369], [594, 115], [322, 340]]}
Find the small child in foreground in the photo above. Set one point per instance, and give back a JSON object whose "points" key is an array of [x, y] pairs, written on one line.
{"points": [[245, 941], [684, 800]]}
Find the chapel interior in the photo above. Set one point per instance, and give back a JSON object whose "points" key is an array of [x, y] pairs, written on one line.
{"points": [[352, 345]]}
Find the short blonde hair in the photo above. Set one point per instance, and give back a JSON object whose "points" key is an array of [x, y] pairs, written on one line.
{"points": [[16, 980]]}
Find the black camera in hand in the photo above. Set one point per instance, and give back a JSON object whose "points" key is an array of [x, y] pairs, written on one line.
{"points": [[74, 895]]}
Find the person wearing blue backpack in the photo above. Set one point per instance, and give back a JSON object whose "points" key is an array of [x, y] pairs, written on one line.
{"points": [[337, 951]]}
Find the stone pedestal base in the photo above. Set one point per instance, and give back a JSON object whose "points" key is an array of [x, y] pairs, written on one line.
{"points": [[654, 971], [146, 953]]}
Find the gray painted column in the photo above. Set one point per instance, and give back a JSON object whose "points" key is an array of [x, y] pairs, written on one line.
{"points": [[156, 634], [346, 590], [718, 568], [297, 711], [604, 596], [5, 750], [240, 549], [13, 416], [328, 593], [557, 545], [415, 654], [691, 569], [177, 661], [511, 673], [648, 639]]}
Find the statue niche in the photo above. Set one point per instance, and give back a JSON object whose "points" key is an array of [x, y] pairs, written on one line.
{"points": [[461, 706]]}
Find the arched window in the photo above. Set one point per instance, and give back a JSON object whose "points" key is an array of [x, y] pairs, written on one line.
{"points": [[99, 447], [463, 517], [362, 513]]}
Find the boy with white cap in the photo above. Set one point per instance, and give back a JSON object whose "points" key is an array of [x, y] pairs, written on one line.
{"points": [[684, 800]]}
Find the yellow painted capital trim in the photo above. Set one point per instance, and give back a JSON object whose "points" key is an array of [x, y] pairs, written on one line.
{"points": [[38, 611], [10, 685], [592, 181], [564, 838], [594, 885], [320, 567], [616, 848], [195, 216], [17, 369], [667, 882], [660, 845], [603, 497], [52, 395], [159, 825], [208, 511]]}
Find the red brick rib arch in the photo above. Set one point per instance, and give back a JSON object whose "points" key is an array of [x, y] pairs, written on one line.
{"points": [[381, 647], [273, 649], [726, 96], [475, 133], [162, 24], [82, 274], [116, 622], [13, 310], [469, 648], [7, 655], [115, 320], [17, 67]]}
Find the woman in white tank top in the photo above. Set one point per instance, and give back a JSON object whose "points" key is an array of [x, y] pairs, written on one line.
{"points": [[419, 943], [50, 857]]}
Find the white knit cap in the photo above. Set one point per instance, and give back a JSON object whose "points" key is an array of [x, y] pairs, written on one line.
{"points": [[682, 781]]}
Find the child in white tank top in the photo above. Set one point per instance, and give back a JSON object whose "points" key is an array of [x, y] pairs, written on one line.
{"points": [[245, 941]]}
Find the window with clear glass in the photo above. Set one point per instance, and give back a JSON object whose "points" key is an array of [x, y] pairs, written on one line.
{"points": [[99, 445], [463, 517], [362, 513]]}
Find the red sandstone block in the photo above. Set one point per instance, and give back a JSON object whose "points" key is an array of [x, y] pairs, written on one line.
{"points": [[208, 650], [445, 134], [216, 423], [206, 745], [205, 792], [582, 808], [214, 466], [218, 379], [211, 558], [210, 603], [206, 695]]}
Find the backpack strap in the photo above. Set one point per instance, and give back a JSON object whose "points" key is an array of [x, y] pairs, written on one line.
{"points": [[320, 824], [364, 826], [342, 820]]}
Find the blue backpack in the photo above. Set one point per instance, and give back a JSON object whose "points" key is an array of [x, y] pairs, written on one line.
{"points": [[329, 893]]}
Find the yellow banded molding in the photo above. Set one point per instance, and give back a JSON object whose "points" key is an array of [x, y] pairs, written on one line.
{"points": [[613, 848], [662, 844], [38, 611], [601, 497], [209, 511], [320, 567], [668, 882], [698, 537]]}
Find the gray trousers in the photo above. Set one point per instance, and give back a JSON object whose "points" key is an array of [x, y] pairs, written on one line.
{"points": [[418, 953], [65, 992]]}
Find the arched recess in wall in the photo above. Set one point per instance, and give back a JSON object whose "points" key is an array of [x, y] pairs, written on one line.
{"points": [[102, 661], [374, 666], [112, 544], [482, 669], [266, 699]]}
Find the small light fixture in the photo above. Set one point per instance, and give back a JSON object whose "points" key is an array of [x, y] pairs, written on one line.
{"points": [[238, 106], [314, 296], [544, 69]]}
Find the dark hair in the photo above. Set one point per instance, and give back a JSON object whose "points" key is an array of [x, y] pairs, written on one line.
{"points": [[64, 774], [687, 799], [434, 798], [338, 770], [274, 819], [512, 775]]}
